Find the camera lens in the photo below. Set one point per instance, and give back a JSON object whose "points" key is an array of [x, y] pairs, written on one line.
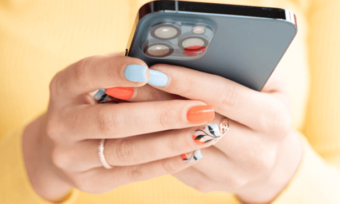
{"points": [[192, 43], [158, 50], [198, 30], [193, 46], [165, 32], [197, 42]]}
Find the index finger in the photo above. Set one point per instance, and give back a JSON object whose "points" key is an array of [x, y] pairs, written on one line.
{"points": [[97, 72], [259, 111]]}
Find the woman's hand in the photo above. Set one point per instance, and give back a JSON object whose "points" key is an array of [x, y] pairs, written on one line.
{"points": [[61, 148], [259, 154]]}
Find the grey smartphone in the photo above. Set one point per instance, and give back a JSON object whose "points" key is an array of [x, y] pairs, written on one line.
{"points": [[241, 43]]}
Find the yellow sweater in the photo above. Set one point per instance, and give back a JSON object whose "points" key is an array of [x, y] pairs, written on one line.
{"points": [[40, 37]]}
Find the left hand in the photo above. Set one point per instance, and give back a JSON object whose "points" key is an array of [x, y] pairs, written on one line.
{"points": [[259, 154]]}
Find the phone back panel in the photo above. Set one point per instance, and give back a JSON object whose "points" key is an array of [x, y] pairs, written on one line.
{"points": [[244, 49]]}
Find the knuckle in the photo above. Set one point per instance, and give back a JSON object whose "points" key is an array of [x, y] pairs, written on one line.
{"points": [[230, 98], [61, 81], [169, 166], [59, 84], [167, 118], [268, 161], [106, 122], [124, 151], [53, 129], [80, 69], [262, 161], [61, 158], [280, 123]]}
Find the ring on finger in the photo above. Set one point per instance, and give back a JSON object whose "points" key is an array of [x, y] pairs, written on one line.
{"points": [[224, 126], [102, 156]]}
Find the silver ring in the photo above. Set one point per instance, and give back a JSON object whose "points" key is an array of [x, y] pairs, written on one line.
{"points": [[101, 155]]}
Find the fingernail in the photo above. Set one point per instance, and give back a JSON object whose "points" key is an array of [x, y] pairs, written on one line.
{"points": [[100, 96], [135, 73], [124, 93], [157, 78], [206, 134], [200, 114], [192, 156]]}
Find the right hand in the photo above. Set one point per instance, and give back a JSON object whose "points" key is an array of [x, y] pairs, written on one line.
{"points": [[70, 133]]}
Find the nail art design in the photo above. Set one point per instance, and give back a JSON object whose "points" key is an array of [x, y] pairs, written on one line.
{"points": [[102, 97], [192, 156], [206, 134]]}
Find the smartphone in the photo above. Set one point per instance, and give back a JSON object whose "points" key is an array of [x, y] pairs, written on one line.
{"points": [[241, 43]]}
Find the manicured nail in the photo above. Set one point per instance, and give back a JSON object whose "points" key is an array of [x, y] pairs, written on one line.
{"points": [[100, 96], [192, 156], [135, 73], [206, 134], [157, 78], [124, 93], [200, 114]]}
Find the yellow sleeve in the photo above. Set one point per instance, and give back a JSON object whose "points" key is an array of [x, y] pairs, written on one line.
{"points": [[318, 178], [15, 186], [323, 113], [314, 183]]}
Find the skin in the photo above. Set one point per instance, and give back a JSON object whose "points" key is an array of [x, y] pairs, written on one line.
{"points": [[255, 160], [259, 154]]}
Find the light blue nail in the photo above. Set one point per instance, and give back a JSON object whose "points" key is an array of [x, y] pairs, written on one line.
{"points": [[135, 73], [197, 155], [157, 78]]}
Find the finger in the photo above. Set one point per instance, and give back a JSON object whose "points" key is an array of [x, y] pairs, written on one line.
{"points": [[221, 170], [196, 179], [254, 109], [97, 72], [101, 180], [248, 148], [275, 82], [276, 87], [139, 149], [128, 119]]}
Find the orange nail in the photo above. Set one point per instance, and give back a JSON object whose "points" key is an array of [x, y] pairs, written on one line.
{"points": [[124, 93], [200, 114]]}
